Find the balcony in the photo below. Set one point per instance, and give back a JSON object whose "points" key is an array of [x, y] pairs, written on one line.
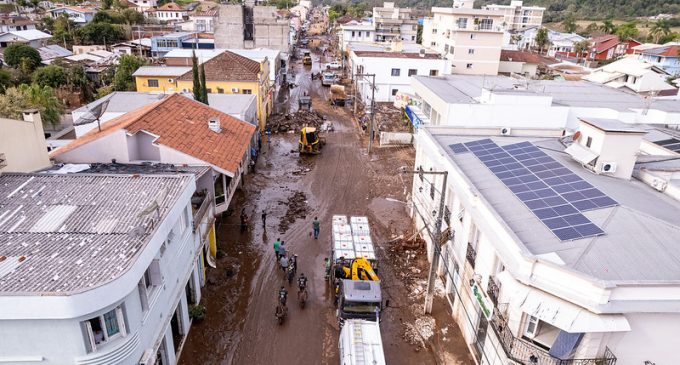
{"points": [[471, 254], [493, 289], [527, 353], [201, 204]]}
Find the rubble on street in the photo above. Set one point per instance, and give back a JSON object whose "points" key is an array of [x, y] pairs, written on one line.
{"points": [[282, 123]]}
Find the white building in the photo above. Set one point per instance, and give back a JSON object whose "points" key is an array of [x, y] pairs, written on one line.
{"points": [[394, 24], [470, 38], [22, 144], [143, 5], [502, 102], [200, 22], [32, 37], [393, 66], [167, 13], [97, 269], [356, 32], [549, 258], [560, 43], [633, 74], [518, 16]]}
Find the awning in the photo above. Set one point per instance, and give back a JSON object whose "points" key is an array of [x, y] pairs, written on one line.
{"points": [[581, 154], [570, 317]]}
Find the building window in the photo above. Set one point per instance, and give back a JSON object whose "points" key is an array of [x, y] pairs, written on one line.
{"points": [[352, 34], [220, 90], [446, 48], [153, 83], [433, 44], [413, 38], [104, 328], [486, 24], [471, 51], [589, 141], [432, 190], [209, 91], [461, 23], [434, 31], [394, 92], [447, 216], [247, 91], [412, 72], [396, 72], [434, 72], [468, 66], [473, 36]]}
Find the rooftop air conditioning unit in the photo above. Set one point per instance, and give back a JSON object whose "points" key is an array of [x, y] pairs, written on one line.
{"points": [[608, 167], [506, 131], [234, 90]]}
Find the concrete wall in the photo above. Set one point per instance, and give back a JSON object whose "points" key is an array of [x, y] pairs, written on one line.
{"points": [[103, 150], [229, 27], [645, 341], [389, 139], [23, 144]]}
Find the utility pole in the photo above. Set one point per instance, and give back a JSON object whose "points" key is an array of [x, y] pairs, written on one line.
{"points": [[436, 240], [370, 126]]}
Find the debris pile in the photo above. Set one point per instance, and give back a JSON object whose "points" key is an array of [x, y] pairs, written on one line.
{"points": [[387, 118], [282, 123], [297, 208]]}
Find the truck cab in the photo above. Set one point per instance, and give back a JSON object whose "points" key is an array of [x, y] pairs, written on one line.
{"points": [[359, 299], [328, 79]]}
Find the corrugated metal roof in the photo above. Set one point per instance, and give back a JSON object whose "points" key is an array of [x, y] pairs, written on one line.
{"points": [[161, 71]]}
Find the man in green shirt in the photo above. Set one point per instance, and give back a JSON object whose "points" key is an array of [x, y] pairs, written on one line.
{"points": [[277, 246], [316, 225]]}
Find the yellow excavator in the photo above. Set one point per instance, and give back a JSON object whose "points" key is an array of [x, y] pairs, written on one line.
{"points": [[310, 141], [360, 269]]}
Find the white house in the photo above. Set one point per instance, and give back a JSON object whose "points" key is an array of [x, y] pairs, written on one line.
{"points": [[354, 32], [633, 74], [143, 5], [32, 37], [16, 23], [551, 253], [97, 269], [77, 14], [169, 12], [393, 66]]}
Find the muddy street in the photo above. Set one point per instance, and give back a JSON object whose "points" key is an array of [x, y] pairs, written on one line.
{"points": [[241, 295]]}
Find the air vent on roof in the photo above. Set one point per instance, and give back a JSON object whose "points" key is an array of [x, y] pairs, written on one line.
{"points": [[608, 167], [506, 131], [214, 124]]}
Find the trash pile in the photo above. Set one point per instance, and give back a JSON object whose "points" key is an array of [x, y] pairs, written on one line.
{"points": [[282, 123], [297, 208], [387, 118]]}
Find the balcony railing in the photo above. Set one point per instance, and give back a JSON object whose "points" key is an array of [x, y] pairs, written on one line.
{"points": [[471, 254], [493, 289], [201, 209], [526, 353]]}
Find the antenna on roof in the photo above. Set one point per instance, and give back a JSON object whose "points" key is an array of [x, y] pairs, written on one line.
{"points": [[649, 99], [93, 114]]}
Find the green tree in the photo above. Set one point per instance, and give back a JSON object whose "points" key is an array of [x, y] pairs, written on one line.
{"points": [[581, 47], [659, 29], [627, 31], [569, 24], [204, 86], [591, 29], [63, 29], [5, 80], [15, 54], [17, 99], [542, 38], [52, 76], [195, 78], [100, 33], [127, 65], [132, 16], [608, 27], [332, 15], [106, 4]]}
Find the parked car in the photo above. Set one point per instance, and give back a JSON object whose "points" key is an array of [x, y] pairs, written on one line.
{"points": [[328, 79], [335, 65]]}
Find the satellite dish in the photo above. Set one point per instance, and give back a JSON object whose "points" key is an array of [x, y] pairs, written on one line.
{"points": [[93, 114], [576, 136]]}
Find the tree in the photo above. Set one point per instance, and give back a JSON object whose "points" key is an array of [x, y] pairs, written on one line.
{"points": [[195, 77], [627, 31], [569, 24], [204, 86], [542, 38], [608, 27], [5, 80], [659, 29], [52, 76], [106, 4], [580, 47], [591, 29], [15, 53], [100, 33], [127, 65], [17, 99], [132, 16]]}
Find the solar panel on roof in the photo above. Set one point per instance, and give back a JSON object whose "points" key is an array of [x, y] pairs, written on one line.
{"points": [[458, 148], [672, 144], [552, 192]]}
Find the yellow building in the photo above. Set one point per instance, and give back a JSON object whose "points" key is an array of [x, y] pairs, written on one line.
{"points": [[227, 73]]}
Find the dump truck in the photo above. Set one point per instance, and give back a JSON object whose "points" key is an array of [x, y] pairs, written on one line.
{"points": [[338, 95], [307, 58], [305, 102]]}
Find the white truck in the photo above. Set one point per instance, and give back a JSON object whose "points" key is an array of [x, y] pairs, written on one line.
{"points": [[360, 343]]}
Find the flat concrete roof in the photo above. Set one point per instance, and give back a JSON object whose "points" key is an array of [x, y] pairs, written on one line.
{"points": [[612, 125]]}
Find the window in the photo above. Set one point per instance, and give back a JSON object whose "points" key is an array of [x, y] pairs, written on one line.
{"points": [[209, 91], [352, 34], [471, 51], [531, 329], [396, 72], [589, 141], [153, 83], [412, 72], [247, 91], [394, 92], [104, 328], [434, 72], [446, 48], [486, 24], [434, 31], [461, 23], [433, 44], [473, 36], [432, 190], [447, 216], [413, 38], [220, 90], [468, 66]]}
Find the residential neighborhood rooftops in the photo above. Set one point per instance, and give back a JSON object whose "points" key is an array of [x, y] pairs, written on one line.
{"points": [[161, 71], [228, 66], [526, 57], [53, 51], [605, 42], [77, 9], [29, 35], [670, 50], [182, 125], [64, 234], [639, 243]]}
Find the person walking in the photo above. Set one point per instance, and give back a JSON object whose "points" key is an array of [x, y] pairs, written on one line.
{"points": [[284, 262], [282, 249], [316, 225], [264, 218], [277, 247]]}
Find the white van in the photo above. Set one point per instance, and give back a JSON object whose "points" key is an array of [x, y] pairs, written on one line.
{"points": [[360, 343]]}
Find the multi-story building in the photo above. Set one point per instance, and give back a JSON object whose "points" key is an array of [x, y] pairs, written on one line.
{"points": [[22, 144], [167, 13], [394, 24], [252, 26], [470, 38], [143, 5], [162, 44], [635, 75], [517, 16], [666, 57], [354, 31], [97, 268], [10, 24]]}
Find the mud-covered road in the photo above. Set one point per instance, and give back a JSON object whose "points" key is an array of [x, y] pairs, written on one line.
{"points": [[240, 327]]}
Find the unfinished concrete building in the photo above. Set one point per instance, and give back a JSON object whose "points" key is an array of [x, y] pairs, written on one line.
{"points": [[251, 26]]}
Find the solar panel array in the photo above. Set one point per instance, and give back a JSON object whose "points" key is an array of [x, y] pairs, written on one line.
{"points": [[672, 144], [552, 192]]}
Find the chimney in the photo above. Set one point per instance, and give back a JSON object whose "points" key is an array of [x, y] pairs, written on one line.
{"points": [[214, 124], [32, 116]]}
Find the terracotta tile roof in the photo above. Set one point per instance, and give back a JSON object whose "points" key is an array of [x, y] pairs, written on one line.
{"points": [[76, 9], [527, 57], [170, 6], [664, 51], [228, 66], [181, 124], [605, 42]]}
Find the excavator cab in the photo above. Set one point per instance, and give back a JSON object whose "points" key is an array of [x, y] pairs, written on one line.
{"points": [[310, 141]]}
